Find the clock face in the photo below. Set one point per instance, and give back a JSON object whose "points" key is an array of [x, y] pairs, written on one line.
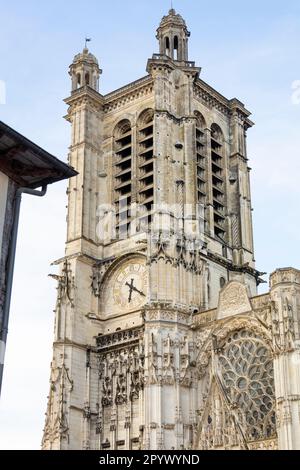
{"points": [[127, 288]]}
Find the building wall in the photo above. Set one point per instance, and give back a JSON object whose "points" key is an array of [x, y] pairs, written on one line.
{"points": [[7, 193], [4, 186], [3, 197]]}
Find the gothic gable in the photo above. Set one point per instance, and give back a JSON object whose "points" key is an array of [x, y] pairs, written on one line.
{"points": [[233, 300]]}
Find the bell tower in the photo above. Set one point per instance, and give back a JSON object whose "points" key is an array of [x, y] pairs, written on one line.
{"points": [[159, 221], [85, 71], [173, 37]]}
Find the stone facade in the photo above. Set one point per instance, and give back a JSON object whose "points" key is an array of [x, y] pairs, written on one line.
{"points": [[161, 341]]}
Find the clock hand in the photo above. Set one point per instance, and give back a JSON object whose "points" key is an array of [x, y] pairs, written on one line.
{"points": [[133, 288], [138, 291], [130, 289]]}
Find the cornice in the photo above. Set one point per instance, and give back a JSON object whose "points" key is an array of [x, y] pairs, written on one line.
{"points": [[125, 94], [85, 92], [234, 268], [120, 97], [124, 89], [162, 61], [85, 144], [172, 117], [213, 99]]}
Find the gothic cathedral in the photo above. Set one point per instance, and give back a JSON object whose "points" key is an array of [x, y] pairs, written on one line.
{"points": [[160, 340]]}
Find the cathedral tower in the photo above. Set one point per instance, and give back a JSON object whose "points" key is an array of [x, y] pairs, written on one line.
{"points": [[159, 226]]}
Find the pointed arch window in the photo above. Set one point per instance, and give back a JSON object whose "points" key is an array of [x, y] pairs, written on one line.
{"points": [[218, 180], [123, 176]]}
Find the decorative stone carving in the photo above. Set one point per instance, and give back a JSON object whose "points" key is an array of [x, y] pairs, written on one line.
{"points": [[87, 411], [233, 300], [66, 285], [107, 398], [204, 318], [99, 421], [121, 370], [168, 363], [217, 426], [285, 321], [152, 361], [99, 271], [201, 338], [271, 444], [120, 338], [177, 251], [285, 276], [136, 385], [160, 245], [121, 395], [202, 364], [246, 365], [56, 425], [251, 324]]}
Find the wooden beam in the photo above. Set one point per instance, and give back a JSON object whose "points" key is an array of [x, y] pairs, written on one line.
{"points": [[13, 151], [17, 171]]}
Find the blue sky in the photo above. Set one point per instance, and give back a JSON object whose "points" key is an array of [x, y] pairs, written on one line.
{"points": [[246, 50]]}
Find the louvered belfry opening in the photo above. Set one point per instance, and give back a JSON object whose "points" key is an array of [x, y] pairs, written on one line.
{"points": [[201, 166], [123, 176], [218, 182], [145, 166]]}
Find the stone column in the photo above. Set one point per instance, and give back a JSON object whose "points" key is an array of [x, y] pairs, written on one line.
{"points": [[285, 297]]}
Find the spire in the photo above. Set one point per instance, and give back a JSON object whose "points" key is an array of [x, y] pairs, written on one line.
{"points": [[173, 35]]}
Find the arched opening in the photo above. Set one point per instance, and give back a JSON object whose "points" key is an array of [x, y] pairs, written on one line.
{"points": [[145, 164], [87, 78], [218, 180], [201, 164], [123, 176], [176, 45], [78, 80], [222, 282], [167, 46]]}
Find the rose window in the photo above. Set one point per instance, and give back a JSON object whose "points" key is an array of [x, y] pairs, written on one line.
{"points": [[247, 373]]}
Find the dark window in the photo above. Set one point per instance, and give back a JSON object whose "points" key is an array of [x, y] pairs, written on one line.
{"points": [[176, 47], [167, 46]]}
